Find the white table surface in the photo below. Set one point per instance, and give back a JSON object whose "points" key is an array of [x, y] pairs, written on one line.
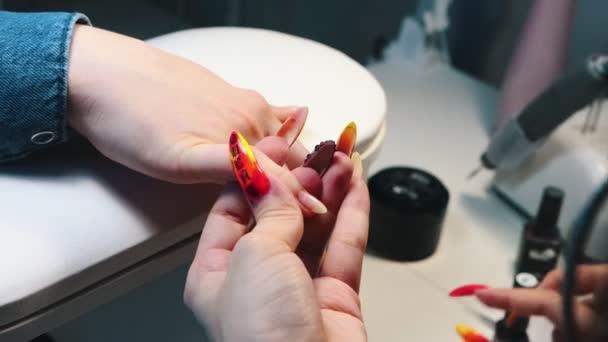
{"points": [[437, 120]]}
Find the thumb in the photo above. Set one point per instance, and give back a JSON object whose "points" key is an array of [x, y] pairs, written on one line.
{"points": [[276, 197]]}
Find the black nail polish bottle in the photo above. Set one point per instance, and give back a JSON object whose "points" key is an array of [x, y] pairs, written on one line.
{"points": [[538, 254], [515, 333], [541, 242], [517, 330]]}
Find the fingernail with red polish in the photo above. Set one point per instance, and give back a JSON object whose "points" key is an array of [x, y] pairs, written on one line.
{"points": [[348, 139], [291, 128], [467, 290], [251, 178]]}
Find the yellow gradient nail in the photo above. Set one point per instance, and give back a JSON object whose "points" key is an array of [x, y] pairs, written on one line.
{"points": [[348, 139], [469, 334]]}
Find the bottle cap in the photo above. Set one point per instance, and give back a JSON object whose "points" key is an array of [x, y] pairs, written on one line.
{"points": [[545, 223]]}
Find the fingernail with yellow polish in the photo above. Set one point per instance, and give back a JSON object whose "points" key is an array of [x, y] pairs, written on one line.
{"points": [[311, 202], [469, 334], [348, 139], [251, 177], [291, 128]]}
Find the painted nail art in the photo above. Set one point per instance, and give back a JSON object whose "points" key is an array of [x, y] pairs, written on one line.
{"points": [[251, 178], [291, 128], [469, 334], [467, 290], [348, 139]]}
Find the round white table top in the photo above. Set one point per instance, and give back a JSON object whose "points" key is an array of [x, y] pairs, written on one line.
{"points": [[289, 70]]}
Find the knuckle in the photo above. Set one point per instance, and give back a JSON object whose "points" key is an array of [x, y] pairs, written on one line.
{"points": [[257, 102], [356, 241], [254, 110], [285, 214]]}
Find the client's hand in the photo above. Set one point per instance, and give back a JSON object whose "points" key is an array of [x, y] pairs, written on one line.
{"points": [[160, 114]]}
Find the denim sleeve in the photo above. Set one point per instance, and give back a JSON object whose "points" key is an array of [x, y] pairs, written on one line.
{"points": [[34, 51]]}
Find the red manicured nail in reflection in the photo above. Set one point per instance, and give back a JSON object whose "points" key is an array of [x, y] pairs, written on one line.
{"points": [[251, 178], [467, 290]]}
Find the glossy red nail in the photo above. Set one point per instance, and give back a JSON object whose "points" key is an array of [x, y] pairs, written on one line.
{"points": [[251, 178], [467, 290]]}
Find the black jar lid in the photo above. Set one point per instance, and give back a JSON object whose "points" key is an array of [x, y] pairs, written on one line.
{"points": [[407, 210]]}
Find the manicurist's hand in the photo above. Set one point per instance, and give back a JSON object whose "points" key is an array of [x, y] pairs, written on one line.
{"points": [[160, 114], [590, 311], [259, 284]]}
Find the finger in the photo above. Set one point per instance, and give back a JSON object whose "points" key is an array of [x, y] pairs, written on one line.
{"points": [[289, 179], [297, 155], [336, 181], [346, 247], [526, 302], [226, 223], [274, 148], [547, 303], [309, 179], [229, 218], [271, 194], [589, 278], [290, 129], [278, 216]]}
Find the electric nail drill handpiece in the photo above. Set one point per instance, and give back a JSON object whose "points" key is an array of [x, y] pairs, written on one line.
{"points": [[521, 136]]}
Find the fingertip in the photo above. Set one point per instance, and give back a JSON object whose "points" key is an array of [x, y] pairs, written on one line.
{"points": [[297, 155], [341, 166], [309, 179], [492, 297]]}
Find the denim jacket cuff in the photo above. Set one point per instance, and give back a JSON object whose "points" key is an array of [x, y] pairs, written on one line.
{"points": [[34, 80]]}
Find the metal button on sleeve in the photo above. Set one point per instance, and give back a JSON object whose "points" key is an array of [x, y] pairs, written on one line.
{"points": [[42, 138]]}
